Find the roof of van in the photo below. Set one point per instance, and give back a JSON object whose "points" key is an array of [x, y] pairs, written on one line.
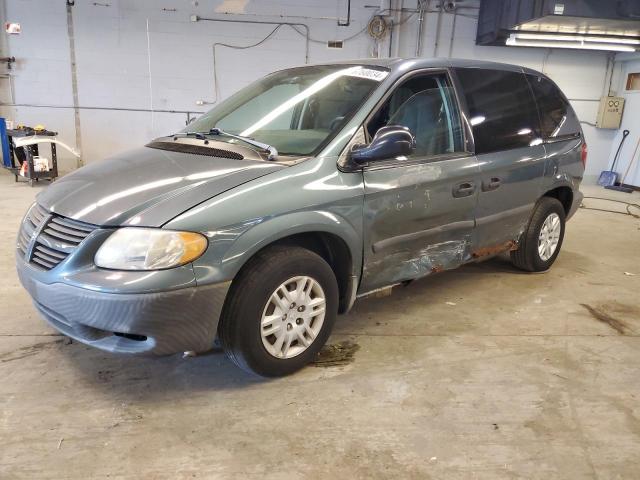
{"points": [[407, 64]]}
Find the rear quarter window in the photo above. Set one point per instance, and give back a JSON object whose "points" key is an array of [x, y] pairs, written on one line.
{"points": [[502, 110], [557, 118]]}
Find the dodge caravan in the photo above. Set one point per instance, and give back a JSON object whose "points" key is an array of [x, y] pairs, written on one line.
{"points": [[270, 214]]}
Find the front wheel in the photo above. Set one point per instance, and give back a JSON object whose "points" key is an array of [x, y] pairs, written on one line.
{"points": [[280, 311], [541, 242]]}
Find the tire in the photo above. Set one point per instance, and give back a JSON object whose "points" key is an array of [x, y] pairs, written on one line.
{"points": [[251, 301], [527, 256]]}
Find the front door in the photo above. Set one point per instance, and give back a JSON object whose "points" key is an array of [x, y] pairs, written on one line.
{"points": [[419, 211]]}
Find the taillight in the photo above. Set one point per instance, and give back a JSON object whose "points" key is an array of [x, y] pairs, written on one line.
{"points": [[583, 154]]}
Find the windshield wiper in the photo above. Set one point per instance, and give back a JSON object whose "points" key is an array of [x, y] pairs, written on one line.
{"points": [[272, 152], [198, 135]]}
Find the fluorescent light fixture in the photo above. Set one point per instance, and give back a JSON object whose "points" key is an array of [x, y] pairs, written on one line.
{"points": [[577, 38], [579, 45]]}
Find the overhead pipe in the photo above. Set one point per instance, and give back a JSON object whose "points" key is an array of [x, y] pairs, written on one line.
{"points": [[423, 10], [197, 18], [400, 4], [391, 27], [438, 25], [74, 80], [278, 15], [188, 113], [348, 22], [453, 32]]}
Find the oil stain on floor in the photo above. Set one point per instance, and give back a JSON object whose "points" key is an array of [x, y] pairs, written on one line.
{"points": [[28, 351], [603, 313], [336, 354]]}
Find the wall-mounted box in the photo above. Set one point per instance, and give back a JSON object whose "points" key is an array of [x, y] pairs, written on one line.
{"points": [[610, 112]]}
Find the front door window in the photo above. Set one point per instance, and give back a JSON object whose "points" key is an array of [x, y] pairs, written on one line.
{"points": [[426, 105]]}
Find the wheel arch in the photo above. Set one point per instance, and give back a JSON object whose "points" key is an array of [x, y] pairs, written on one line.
{"points": [[564, 194], [323, 233]]}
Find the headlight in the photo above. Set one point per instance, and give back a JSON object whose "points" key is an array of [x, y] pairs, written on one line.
{"points": [[149, 249]]}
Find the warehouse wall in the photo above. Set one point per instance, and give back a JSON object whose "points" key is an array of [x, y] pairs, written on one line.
{"points": [[148, 54], [630, 121]]}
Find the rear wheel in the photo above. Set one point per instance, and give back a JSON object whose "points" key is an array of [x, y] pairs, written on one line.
{"points": [[280, 311], [540, 243]]}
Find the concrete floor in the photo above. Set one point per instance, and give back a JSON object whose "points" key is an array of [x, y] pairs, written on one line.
{"points": [[483, 372]]}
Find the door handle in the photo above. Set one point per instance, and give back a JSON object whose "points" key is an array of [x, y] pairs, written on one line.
{"points": [[464, 189], [490, 184]]}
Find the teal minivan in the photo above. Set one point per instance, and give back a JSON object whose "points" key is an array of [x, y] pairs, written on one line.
{"points": [[270, 214]]}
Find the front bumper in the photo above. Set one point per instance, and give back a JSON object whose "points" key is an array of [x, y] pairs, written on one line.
{"points": [[160, 323]]}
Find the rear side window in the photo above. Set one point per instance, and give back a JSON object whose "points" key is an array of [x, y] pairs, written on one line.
{"points": [[557, 118], [502, 110]]}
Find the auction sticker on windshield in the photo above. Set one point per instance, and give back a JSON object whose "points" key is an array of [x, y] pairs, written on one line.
{"points": [[370, 73]]}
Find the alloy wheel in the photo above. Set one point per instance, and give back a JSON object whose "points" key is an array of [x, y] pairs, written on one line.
{"points": [[293, 317], [549, 236]]}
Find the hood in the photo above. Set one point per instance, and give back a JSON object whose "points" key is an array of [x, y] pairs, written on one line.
{"points": [[146, 186]]}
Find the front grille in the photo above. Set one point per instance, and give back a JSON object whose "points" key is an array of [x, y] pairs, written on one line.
{"points": [[47, 257], [32, 221], [58, 236]]}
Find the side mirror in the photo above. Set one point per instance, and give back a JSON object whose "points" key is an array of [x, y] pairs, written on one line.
{"points": [[388, 142]]}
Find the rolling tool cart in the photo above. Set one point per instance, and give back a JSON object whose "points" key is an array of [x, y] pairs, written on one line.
{"points": [[21, 152]]}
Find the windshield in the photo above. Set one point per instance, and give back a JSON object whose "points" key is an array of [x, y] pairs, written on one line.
{"points": [[295, 110]]}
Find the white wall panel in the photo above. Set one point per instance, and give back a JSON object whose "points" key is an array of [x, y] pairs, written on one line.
{"points": [[134, 54], [631, 122]]}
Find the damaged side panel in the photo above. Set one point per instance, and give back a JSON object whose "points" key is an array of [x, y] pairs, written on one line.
{"points": [[409, 265], [414, 223], [485, 252]]}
